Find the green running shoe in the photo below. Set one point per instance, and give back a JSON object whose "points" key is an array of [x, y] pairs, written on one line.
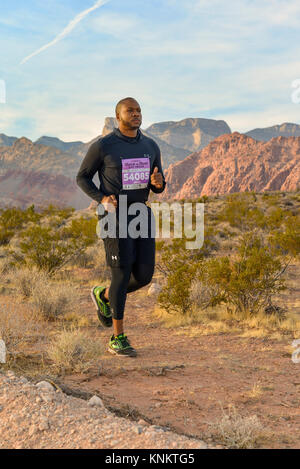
{"points": [[103, 308], [120, 345]]}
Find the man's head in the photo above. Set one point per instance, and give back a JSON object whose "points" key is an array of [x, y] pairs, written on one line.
{"points": [[128, 114]]}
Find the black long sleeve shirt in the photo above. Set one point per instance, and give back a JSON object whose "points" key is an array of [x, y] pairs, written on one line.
{"points": [[105, 157]]}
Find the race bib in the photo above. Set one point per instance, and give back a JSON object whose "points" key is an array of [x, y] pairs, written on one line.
{"points": [[135, 173]]}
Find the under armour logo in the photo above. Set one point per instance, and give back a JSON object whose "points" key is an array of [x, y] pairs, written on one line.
{"points": [[114, 257]]}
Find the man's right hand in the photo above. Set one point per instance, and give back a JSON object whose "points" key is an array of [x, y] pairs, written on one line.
{"points": [[110, 203]]}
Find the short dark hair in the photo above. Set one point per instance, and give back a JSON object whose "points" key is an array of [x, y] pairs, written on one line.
{"points": [[123, 101]]}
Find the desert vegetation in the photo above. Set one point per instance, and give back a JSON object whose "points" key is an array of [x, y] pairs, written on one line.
{"points": [[233, 281], [242, 284]]}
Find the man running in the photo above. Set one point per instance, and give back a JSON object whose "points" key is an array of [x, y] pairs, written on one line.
{"points": [[128, 164]]}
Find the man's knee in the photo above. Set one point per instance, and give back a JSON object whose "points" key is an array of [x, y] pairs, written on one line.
{"points": [[145, 275]]}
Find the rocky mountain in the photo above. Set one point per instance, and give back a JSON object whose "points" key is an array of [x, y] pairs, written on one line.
{"points": [[44, 171], [57, 143], [284, 130], [189, 134], [39, 174], [7, 141], [236, 163]]}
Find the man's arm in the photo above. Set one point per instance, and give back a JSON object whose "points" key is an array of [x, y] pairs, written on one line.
{"points": [[89, 166], [157, 162]]}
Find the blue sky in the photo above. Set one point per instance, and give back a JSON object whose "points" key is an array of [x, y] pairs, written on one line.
{"points": [[233, 60]]}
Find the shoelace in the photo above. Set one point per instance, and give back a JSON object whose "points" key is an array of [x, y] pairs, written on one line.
{"points": [[123, 339]]}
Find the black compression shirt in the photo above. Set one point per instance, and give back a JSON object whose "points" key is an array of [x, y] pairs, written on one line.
{"points": [[105, 157]]}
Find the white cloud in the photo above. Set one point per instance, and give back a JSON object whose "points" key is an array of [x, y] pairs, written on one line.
{"points": [[114, 24]]}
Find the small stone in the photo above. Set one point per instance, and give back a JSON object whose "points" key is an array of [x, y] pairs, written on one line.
{"points": [[95, 401], [2, 351], [45, 386], [32, 430], [138, 430], [143, 422], [44, 424], [154, 289], [23, 380], [48, 397]]}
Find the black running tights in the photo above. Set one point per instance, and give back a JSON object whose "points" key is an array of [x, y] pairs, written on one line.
{"points": [[125, 280]]}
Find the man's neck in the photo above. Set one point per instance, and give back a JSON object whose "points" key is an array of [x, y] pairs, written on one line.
{"points": [[128, 132]]}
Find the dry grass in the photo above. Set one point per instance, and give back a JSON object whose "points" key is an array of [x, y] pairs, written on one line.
{"points": [[255, 392], [53, 299], [17, 328], [218, 320], [73, 350], [236, 431], [26, 279]]}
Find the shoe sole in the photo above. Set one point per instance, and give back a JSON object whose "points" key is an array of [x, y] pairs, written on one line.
{"points": [[97, 308], [121, 354]]}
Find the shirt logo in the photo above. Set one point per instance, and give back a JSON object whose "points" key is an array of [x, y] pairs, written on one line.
{"points": [[114, 257]]}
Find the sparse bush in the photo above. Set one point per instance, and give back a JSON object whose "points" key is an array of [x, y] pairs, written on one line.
{"points": [[52, 300], [72, 350], [49, 250], [174, 296], [201, 293], [286, 240], [248, 281], [15, 327], [240, 212], [98, 259], [5, 265], [13, 220], [25, 280], [236, 431]]}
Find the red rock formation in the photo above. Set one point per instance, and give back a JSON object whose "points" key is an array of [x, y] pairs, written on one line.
{"points": [[236, 163]]}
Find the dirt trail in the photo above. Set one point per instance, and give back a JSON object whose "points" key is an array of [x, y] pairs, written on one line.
{"points": [[182, 382], [175, 388]]}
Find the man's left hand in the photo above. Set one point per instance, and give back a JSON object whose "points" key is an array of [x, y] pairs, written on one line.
{"points": [[156, 178]]}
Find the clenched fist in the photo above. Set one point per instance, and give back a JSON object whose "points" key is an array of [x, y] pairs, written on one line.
{"points": [[156, 178], [110, 203]]}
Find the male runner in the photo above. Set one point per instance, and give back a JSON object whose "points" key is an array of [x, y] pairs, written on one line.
{"points": [[116, 157]]}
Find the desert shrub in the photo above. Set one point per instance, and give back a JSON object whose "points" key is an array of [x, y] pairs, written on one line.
{"points": [[50, 249], [247, 281], [178, 264], [73, 350], [175, 254], [204, 199], [5, 265], [174, 296], [201, 294], [15, 327], [5, 236], [25, 280], [286, 240], [236, 431], [276, 217], [51, 299], [14, 218], [240, 212], [54, 211], [271, 198], [97, 260]]}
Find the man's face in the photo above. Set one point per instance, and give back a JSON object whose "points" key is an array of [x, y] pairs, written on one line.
{"points": [[130, 115]]}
